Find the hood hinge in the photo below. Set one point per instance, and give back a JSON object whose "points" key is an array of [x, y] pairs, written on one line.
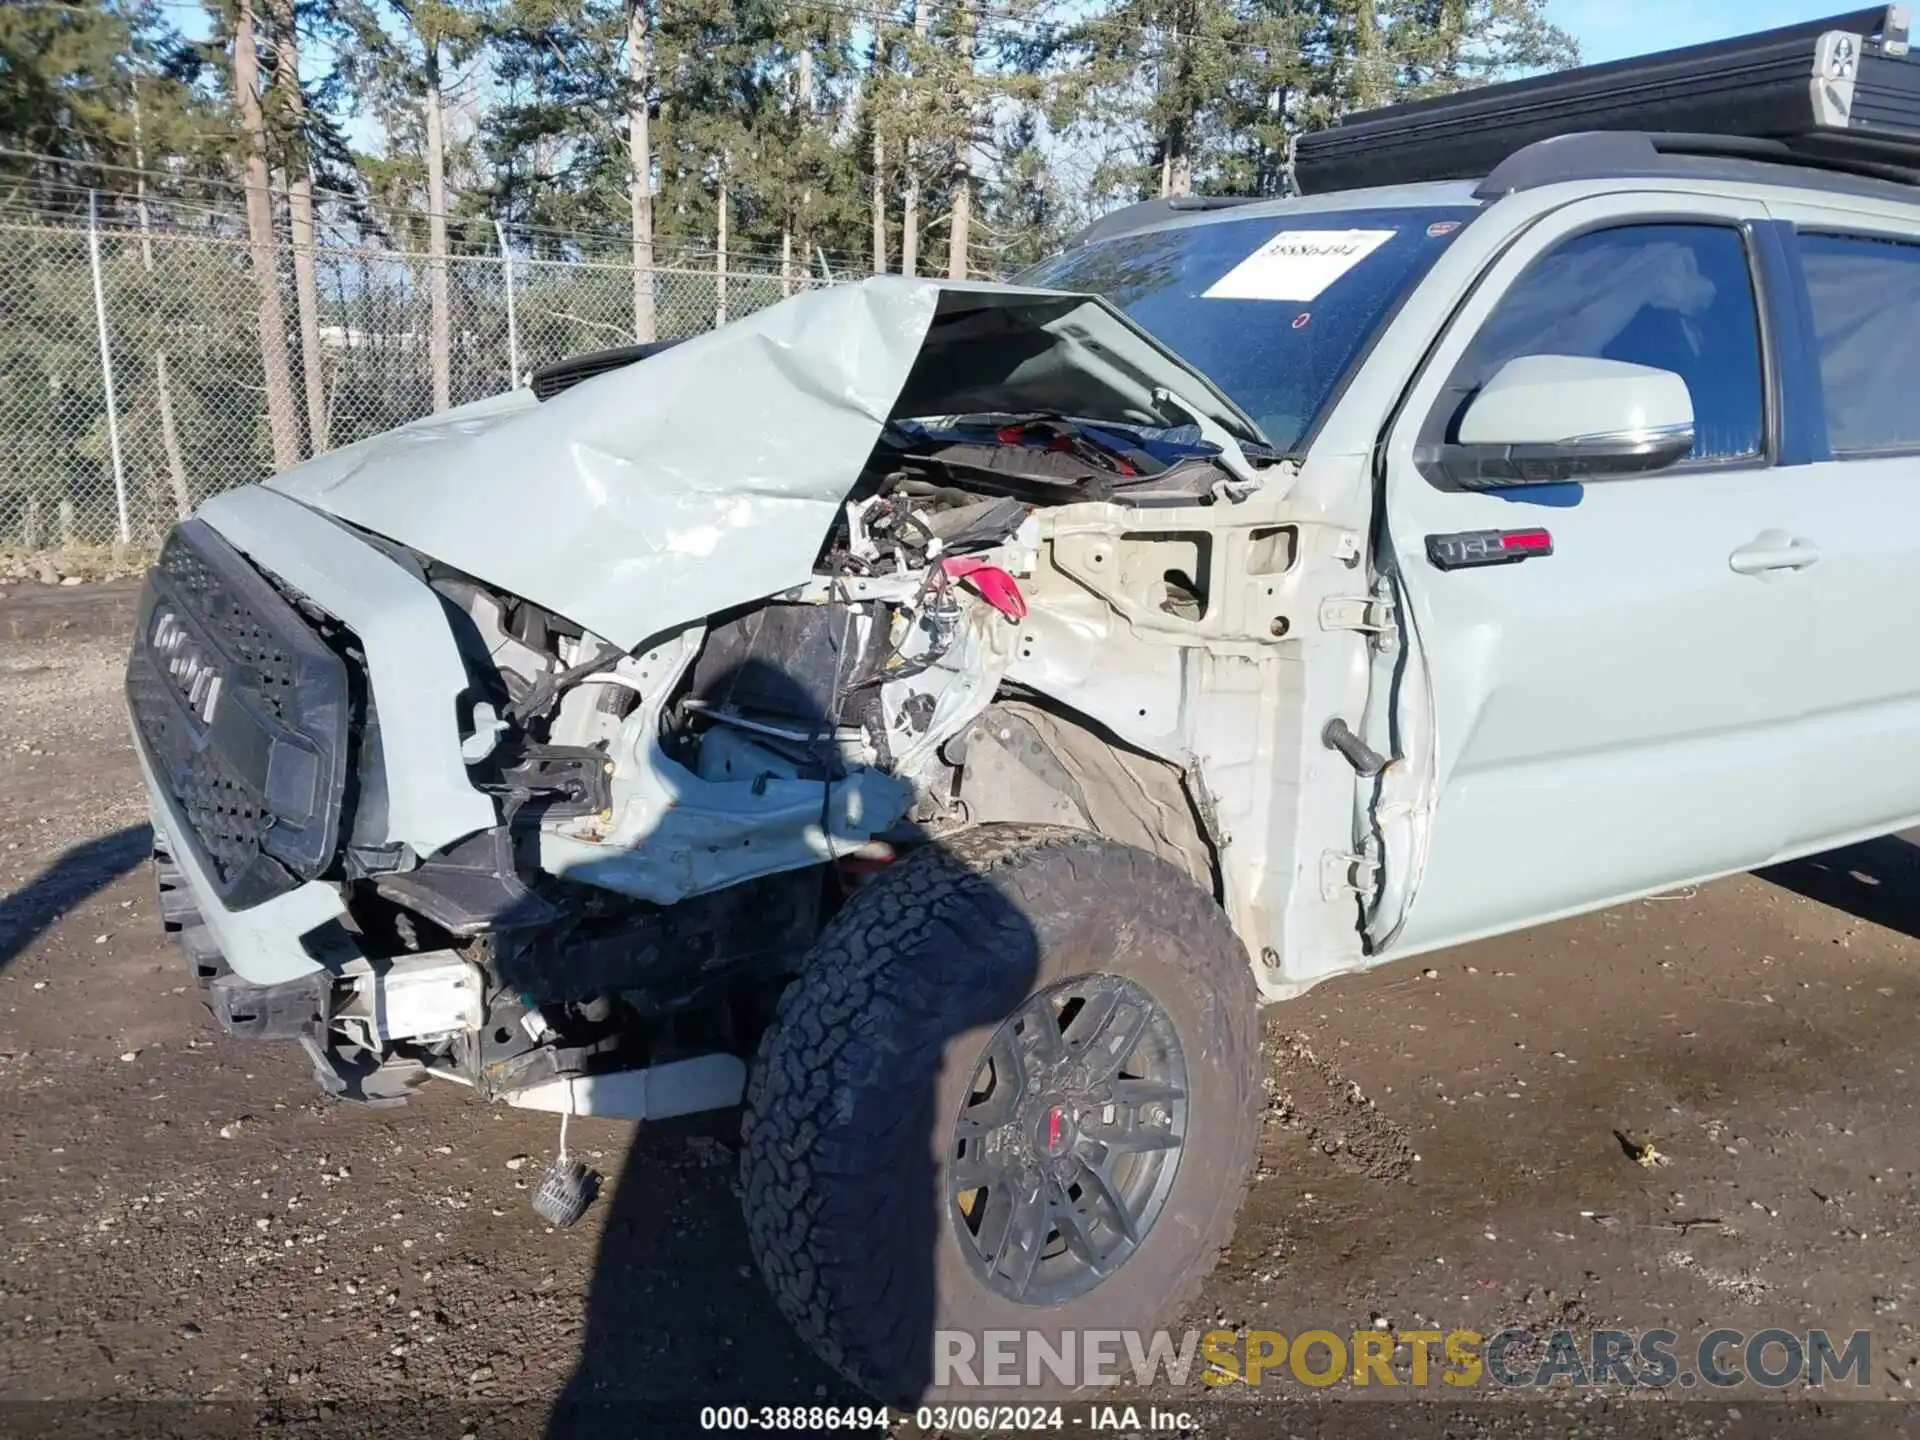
{"points": [[1370, 614]]}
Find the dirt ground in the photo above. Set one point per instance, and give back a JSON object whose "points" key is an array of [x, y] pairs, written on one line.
{"points": [[184, 1219]]}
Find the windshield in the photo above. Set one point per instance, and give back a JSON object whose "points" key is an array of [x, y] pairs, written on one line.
{"points": [[1276, 309]]}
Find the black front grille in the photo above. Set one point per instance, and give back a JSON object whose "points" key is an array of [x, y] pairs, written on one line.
{"points": [[229, 818], [242, 709], [248, 641]]}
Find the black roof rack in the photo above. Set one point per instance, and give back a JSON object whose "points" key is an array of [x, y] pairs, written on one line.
{"points": [[1841, 94], [1614, 154]]}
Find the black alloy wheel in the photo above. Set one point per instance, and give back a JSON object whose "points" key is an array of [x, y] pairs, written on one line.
{"points": [[1069, 1140]]}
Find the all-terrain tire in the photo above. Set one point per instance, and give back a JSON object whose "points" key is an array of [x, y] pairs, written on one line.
{"points": [[851, 1105]]}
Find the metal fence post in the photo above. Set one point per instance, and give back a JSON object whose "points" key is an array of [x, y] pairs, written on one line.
{"points": [[513, 324], [54, 482], [106, 368]]}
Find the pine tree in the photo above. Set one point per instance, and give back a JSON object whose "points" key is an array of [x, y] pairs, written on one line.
{"points": [[1025, 212], [411, 49], [1206, 94], [810, 192], [66, 95], [90, 98], [558, 141], [1160, 68], [89, 93]]}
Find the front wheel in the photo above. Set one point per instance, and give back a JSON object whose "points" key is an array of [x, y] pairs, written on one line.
{"points": [[1015, 1089]]}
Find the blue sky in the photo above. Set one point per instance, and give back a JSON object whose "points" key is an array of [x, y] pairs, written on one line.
{"points": [[1611, 29]]}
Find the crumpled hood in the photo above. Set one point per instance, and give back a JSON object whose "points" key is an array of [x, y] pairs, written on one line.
{"points": [[707, 475]]}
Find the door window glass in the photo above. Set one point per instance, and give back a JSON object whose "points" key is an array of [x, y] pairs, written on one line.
{"points": [[1676, 297], [1866, 318]]}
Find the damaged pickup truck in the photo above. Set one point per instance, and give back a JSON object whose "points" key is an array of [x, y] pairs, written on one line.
{"points": [[936, 716]]}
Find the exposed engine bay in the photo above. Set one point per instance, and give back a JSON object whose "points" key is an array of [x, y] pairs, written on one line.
{"points": [[1027, 567], [677, 822]]}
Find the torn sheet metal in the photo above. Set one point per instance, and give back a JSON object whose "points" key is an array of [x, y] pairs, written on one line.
{"points": [[699, 479], [675, 834], [707, 475]]}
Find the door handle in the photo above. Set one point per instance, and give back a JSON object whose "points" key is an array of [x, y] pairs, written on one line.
{"points": [[1772, 550]]}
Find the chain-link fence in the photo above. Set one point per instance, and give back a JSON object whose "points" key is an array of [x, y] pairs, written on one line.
{"points": [[133, 383]]}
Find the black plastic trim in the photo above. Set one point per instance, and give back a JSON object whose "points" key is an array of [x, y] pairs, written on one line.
{"points": [[256, 764], [1139, 216], [549, 380], [1799, 406], [1719, 159]]}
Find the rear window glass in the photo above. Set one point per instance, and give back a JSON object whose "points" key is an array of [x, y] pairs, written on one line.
{"points": [[1866, 317]]}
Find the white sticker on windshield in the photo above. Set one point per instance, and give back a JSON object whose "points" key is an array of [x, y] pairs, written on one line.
{"points": [[1297, 264]]}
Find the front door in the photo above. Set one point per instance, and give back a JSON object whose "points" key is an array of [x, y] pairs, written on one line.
{"points": [[1618, 714]]}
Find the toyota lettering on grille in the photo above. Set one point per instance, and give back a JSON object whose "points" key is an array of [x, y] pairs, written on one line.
{"points": [[186, 664]]}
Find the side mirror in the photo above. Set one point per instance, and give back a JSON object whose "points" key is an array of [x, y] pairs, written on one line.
{"points": [[1548, 419]]}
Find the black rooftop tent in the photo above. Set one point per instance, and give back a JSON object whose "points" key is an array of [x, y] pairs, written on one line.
{"points": [[1841, 93]]}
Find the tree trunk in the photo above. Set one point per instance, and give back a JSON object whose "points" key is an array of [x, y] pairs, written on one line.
{"points": [[306, 291], [282, 424], [720, 263], [959, 230], [910, 221], [170, 438], [961, 225], [797, 218], [1180, 169], [439, 320], [162, 388], [910, 167], [1160, 92], [786, 260], [640, 166], [879, 203], [879, 147], [1176, 166]]}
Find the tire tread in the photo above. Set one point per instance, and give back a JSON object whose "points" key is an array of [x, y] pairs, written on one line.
{"points": [[815, 1166]]}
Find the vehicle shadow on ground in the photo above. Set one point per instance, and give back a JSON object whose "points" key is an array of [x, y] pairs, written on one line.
{"points": [[677, 1314], [1876, 880], [79, 872]]}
